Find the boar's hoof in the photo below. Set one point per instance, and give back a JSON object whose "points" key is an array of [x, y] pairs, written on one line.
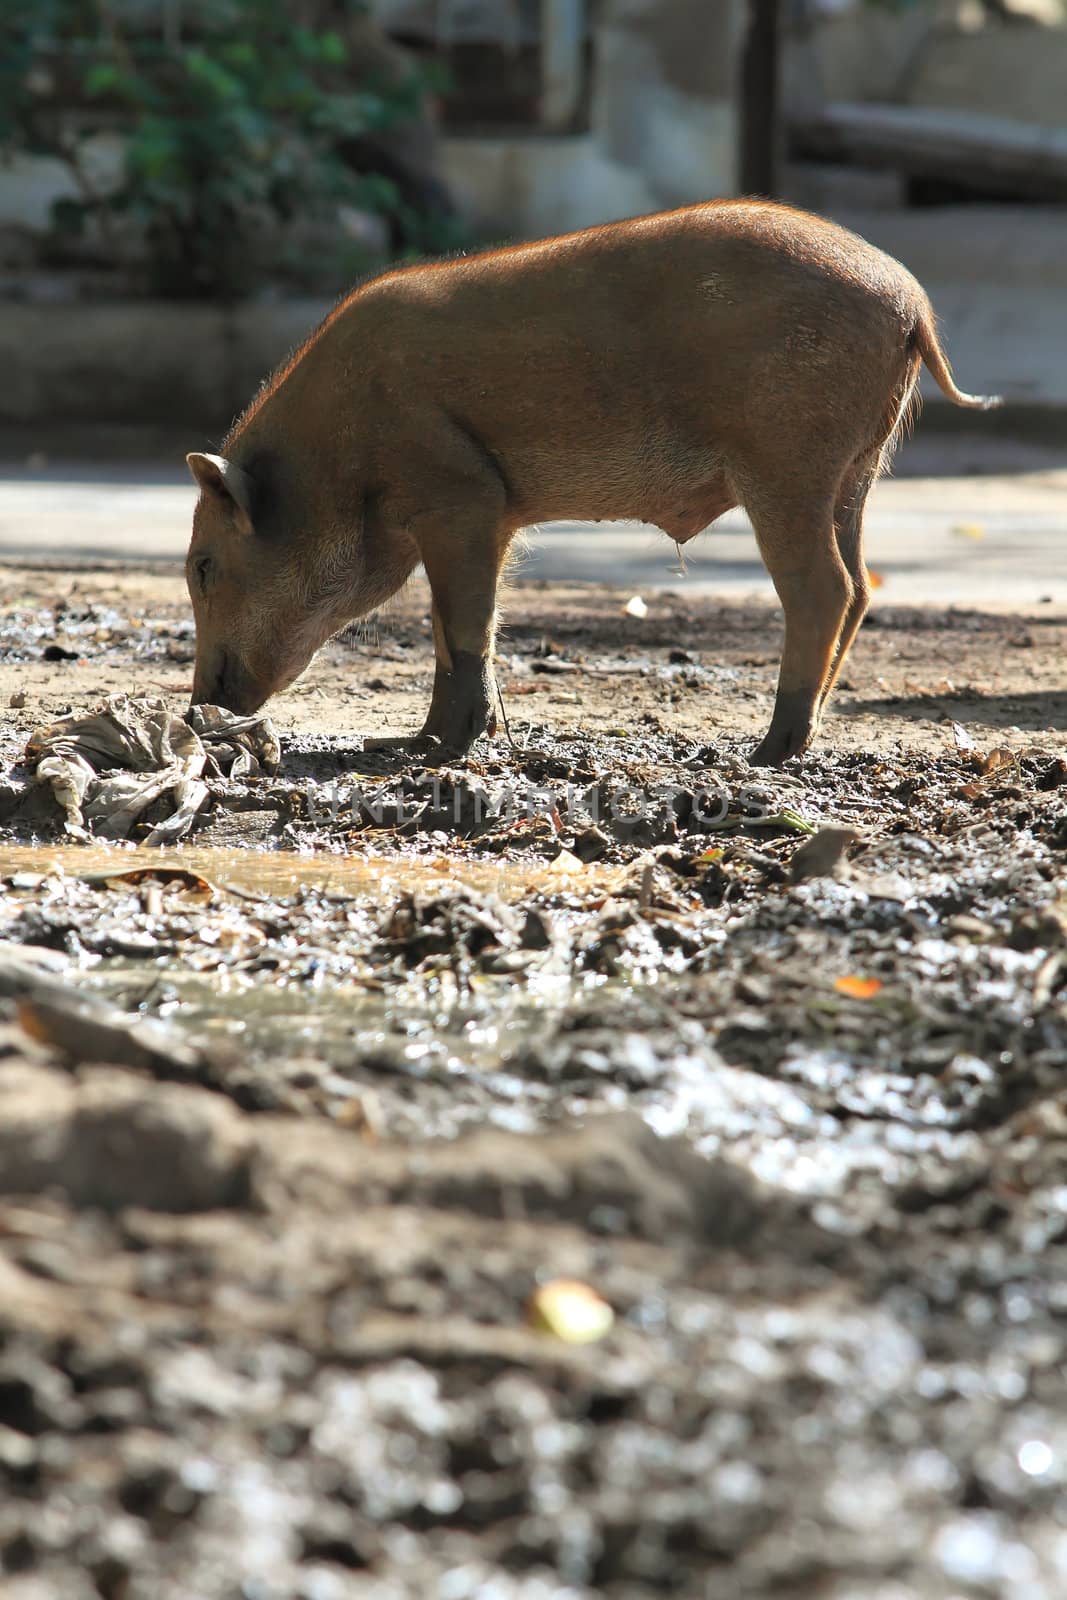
{"points": [[769, 753], [447, 755], [775, 750], [467, 712], [790, 734]]}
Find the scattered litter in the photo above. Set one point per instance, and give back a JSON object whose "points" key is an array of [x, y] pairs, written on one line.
{"points": [[786, 821], [570, 1311], [858, 988], [108, 768], [821, 855], [565, 863], [243, 747], [996, 761], [191, 882]]}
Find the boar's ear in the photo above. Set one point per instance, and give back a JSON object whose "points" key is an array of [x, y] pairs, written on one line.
{"points": [[226, 480]]}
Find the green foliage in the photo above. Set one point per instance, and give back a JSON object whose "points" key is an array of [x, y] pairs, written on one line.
{"points": [[227, 136]]}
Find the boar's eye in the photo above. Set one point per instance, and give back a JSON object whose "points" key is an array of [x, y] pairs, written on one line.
{"points": [[203, 573]]}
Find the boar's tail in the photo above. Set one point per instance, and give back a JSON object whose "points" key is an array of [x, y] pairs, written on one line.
{"points": [[924, 339]]}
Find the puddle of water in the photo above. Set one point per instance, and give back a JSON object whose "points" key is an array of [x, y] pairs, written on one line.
{"points": [[327, 1013], [437, 1043], [280, 873]]}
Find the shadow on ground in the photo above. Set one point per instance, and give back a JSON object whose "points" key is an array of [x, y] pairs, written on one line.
{"points": [[991, 711]]}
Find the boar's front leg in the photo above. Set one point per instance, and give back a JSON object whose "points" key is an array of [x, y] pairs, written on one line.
{"points": [[463, 567], [462, 549], [460, 707], [436, 727], [431, 734]]}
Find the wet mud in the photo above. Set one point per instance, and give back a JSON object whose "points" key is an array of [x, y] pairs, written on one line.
{"points": [[298, 1118]]}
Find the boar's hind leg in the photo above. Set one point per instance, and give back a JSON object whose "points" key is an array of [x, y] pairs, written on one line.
{"points": [[848, 521], [797, 541]]}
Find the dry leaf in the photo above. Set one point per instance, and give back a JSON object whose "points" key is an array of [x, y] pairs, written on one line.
{"points": [[996, 759], [192, 883], [858, 988]]}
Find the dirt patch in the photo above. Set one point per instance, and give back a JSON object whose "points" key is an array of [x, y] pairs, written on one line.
{"points": [[773, 1063]]}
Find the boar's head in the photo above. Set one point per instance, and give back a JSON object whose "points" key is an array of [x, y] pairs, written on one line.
{"points": [[261, 612]]}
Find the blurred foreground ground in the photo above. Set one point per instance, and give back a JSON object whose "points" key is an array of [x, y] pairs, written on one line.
{"points": [[295, 1119]]}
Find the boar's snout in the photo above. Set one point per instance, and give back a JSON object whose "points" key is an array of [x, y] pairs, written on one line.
{"points": [[209, 681], [222, 681]]}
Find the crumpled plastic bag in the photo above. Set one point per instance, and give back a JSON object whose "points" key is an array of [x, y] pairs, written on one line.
{"points": [[245, 745], [107, 768]]}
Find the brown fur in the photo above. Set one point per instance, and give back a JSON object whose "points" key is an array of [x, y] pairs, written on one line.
{"points": [[668, 369]]}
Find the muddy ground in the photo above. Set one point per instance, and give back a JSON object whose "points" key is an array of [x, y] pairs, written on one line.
{"points": [[296, 1119]]}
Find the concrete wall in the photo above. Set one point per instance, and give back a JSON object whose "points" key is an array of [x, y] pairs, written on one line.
{"points": [[996, 276], [1018, 72], [662, 128], [142, 361], [937, 54], [30, 184], [662, 133], [524, 188]]}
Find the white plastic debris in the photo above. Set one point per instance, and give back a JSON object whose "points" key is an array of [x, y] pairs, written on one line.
{"points": [[106, 769]]}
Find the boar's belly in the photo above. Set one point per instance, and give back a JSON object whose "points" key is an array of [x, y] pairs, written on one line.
{"points": [[687, 517]]}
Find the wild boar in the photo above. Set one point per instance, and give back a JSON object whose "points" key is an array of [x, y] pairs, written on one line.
{"points": [[738, 353]]}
